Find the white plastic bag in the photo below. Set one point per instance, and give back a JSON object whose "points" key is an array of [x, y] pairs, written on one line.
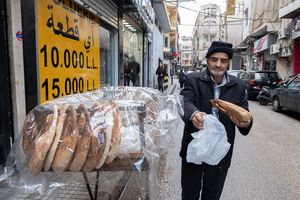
{"points": [[210, 144]]}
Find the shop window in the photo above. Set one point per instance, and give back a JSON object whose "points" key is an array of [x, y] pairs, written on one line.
{"points": [[166, 41], [133, 54], [106, 71]]}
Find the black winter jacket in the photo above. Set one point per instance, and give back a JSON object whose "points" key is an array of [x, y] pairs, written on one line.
{"points": [[198, 90]]}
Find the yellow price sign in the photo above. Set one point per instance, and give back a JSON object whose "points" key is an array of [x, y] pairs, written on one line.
{"points": [[68, 49]]}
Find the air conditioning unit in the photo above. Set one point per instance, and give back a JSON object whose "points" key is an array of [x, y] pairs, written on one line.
{"points": [[275, 48], [285, 52], [283, 33]]}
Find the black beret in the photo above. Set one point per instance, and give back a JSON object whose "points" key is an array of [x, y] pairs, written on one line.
{"points": [[219, 46]]}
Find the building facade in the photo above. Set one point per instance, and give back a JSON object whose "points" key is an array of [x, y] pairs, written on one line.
{"points": [[170, 58], [53, 48], [290, 36], [186, 58], [208, 27]]}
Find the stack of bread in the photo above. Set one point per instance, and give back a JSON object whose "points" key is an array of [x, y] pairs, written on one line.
{"points": [[71, 138]]}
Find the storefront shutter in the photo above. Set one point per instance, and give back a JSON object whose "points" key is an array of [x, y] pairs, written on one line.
{"points": [[107, 10]]}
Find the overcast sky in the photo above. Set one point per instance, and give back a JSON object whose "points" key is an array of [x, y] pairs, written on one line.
{"points": [[188, 17]]}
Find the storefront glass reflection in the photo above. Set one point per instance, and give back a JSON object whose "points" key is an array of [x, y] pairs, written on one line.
{"points": [[105, 58], [132, 48]]}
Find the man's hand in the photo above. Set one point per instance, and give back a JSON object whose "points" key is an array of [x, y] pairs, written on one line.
{"points": [[240, 124], [198, 120]]}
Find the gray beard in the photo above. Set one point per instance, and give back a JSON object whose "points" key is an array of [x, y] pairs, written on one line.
{"points": [[216, 73]]}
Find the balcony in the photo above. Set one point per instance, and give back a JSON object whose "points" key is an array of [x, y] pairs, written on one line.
{"points": [[289, 9]]}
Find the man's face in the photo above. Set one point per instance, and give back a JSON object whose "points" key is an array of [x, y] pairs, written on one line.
{"points": [[218, 63]]}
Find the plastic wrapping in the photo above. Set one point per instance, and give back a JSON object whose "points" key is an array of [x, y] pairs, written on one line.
{"points": [[121, 128], [210, 144]]}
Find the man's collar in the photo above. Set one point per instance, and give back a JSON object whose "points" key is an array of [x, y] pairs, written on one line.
{"points": [[223, 82]]}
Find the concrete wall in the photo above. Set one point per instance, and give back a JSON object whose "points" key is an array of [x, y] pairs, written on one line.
{"points": [[247, 23], [15, 47]]}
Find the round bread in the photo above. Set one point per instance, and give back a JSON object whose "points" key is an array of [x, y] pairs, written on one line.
{"points": [[116, 135], [58, 132], [83, 145], [29, 134], [43, 143], [101, 130], [66, 148], [93, 155]]}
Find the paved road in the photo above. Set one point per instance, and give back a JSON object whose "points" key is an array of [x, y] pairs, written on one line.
{"points": [[265, 165]]}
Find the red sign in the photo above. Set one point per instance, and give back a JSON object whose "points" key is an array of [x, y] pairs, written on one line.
{"points": [[19, 35], [261, 44]]}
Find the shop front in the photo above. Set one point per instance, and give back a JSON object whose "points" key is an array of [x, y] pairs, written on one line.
{"points": [[133, 53], [296, 56], [137, 26], [261, 58], [75, 48]]}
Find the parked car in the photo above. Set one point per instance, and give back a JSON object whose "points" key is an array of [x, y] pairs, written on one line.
{"points": [[241, 74], [255, 80], [237, 73], [287, 96]]}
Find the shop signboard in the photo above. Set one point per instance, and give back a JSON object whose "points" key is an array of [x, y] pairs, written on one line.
{"points": [[68, 49], [261, 44]]}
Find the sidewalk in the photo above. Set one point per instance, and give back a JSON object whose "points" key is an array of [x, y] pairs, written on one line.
{"points": [[172, 87], [113, 184]]}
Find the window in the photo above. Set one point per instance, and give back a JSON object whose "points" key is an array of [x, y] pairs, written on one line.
{"points": [[106, 73], [133, 53], [295, 84], [246, 17], [166, 41]]}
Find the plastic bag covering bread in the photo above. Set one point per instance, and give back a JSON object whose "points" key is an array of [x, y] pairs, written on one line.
{"points": [[210, 144], [125, 126], [74, 137], [130, 142]]}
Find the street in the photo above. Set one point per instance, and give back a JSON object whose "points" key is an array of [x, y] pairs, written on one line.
{"points": [[265, 165]]}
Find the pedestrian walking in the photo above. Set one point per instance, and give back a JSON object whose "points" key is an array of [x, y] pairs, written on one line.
{"points": [[160, 73], [181, 77], [199, 88], [134, 68], [126, 70]]}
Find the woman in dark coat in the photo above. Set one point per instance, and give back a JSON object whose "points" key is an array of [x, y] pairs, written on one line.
{"points": [[181, 77], [160, 73], [199, 88]]}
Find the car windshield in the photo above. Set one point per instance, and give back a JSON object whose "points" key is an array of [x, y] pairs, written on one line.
{"points": [[267, 76], [238, 73], [295, 84]]}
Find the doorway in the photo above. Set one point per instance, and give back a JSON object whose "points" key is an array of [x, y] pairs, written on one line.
{"points": [[6, 130]]}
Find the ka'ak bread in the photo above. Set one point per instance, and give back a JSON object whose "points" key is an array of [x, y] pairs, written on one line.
{"points": [[43, 143], [35, 121], [84, 142], [29, 134], [116, 135], [102, 130], [58, 133], [66, 148], [231, 109], [94, 155]]}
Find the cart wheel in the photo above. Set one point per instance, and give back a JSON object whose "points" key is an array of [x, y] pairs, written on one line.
{"points": [[276, 105]]}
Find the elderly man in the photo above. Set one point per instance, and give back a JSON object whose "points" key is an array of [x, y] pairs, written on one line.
{"points": [[200, 87]]}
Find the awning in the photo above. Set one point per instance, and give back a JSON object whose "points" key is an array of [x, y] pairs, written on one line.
{"points": [[246, 43], [265, 28]]}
